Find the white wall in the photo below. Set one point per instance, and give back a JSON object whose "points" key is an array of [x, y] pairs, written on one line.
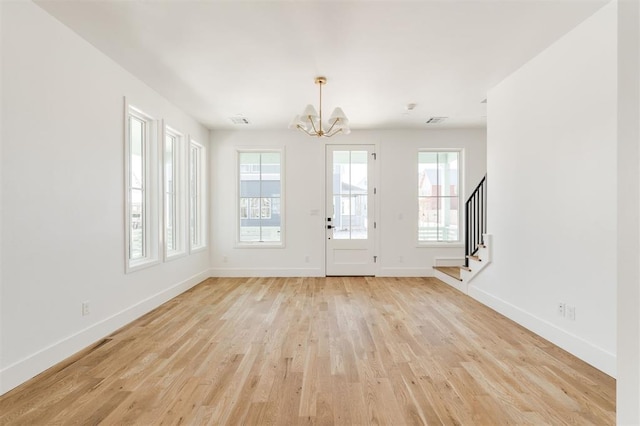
{"points": [[551, 168], [1, 186], [628, 383], [62, 193], [305, 174]]}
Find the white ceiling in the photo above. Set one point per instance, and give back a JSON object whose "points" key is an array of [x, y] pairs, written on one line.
{"points": [[218, 59]]}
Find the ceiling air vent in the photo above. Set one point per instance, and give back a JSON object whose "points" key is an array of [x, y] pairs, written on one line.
{"points": [[436, 120], [239, 120]]}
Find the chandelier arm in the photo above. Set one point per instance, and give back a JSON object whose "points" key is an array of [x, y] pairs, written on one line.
{"points": [[333, 125], [304, 130], [315, 131], [328, 135]]}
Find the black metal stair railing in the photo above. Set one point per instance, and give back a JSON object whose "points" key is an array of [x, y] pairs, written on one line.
{"points": [[476, 220]]}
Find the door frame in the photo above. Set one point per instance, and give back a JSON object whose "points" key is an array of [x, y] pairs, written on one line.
{"points": [[376, 203]]}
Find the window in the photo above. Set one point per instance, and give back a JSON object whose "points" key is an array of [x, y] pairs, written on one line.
{"points": [[141, 199], [260, 198], [174, 210], [197, 209], [438, 196]]}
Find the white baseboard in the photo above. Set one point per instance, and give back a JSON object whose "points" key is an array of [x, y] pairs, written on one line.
{"points": [[591, 354], [405, 272], [266, 272], [23, 370], [312, 272]]}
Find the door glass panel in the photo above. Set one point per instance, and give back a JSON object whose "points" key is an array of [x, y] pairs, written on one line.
{"points": [[342, 217], [341, 172], [359, 157], [359, 217], [350, 182]]}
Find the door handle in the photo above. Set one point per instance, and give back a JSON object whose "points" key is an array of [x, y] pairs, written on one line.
{"points": [[329, 227]]}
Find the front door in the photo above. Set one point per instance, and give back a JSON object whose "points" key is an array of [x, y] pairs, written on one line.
{"points": [[350, 220]]}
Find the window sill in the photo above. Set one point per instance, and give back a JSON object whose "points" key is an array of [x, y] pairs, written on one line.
{"points": [[174, 255], [197, 249], [133, 266]]}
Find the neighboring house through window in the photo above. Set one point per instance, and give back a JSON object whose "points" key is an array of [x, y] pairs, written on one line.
{"points": [[260, 197], [439, 196]]}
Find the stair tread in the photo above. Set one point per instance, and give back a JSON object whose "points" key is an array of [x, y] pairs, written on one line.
{"points": [[474, 258], [452, 271]]}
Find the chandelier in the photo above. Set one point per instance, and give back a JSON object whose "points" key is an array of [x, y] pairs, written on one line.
{"points": [[310, 121]]}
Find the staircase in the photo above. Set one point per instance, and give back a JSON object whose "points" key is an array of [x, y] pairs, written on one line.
{"points": [[477, 243], [460, 276]]}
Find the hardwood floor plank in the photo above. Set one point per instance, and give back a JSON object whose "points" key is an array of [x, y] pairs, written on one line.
{"points": [[317, 351], [309, 391]]}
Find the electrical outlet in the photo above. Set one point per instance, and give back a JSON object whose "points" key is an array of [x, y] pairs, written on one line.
{"points": [[85, 308], [225, 259], [571, 312], [561, 309], [307, 258]]}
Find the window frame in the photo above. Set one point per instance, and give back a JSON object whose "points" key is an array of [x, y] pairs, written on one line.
{"points": [[179, 193], [197, 190], [150, 217], [281, 204], [460, 241]]}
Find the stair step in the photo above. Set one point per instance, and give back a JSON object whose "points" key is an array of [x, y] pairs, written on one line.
{"points": [[481, 246], [466, 268], [452, 271], [474, 258]]}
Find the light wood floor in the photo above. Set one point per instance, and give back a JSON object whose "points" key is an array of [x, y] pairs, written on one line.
{"points": [[318, 350]]}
